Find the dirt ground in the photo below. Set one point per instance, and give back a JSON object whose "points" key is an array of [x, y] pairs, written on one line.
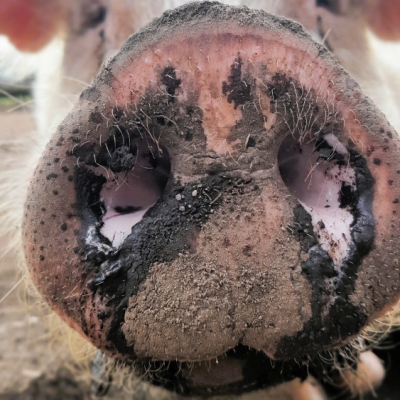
{"points": [[19, 332], [31, 369]]}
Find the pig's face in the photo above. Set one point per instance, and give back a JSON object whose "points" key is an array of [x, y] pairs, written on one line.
{"points": [[223, 193]]}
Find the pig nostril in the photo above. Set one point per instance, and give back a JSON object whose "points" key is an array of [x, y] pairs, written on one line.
{"points": [[127, 196], [318, 173]]}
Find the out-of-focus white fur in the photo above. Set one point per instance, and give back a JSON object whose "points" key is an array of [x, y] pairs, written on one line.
{"points": [[69, 63]]}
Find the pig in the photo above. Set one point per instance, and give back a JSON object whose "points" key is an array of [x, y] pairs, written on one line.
{"points": [[207, 185]]}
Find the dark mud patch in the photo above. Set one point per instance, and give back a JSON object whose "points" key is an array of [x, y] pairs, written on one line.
{"points": [[171, 82], [334, 323], [236, 89], [304, 228]]}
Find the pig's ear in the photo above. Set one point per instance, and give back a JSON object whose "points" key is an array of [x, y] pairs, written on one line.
{"points": [[30, 24], [384, 18]]}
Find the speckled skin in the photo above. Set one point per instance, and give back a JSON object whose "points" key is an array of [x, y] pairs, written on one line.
{"points": [[227, 271]]}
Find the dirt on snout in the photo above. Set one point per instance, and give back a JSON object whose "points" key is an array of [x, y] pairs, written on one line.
{"points": [[30, 367]]}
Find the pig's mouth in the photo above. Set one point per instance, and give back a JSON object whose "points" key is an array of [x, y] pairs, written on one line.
{"points": [[226, 213], [239, 370]]}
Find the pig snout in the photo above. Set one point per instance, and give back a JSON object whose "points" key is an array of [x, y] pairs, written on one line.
{"points": [[223, 191]]}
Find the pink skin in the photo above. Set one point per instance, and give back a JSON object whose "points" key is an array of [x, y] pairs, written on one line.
{"points": [[202, 57], [139, 190], [316, 183]]}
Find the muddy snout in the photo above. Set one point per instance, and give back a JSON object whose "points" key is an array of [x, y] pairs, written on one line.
{"points": [[224, 188]]}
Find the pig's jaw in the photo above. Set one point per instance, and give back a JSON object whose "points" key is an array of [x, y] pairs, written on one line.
{"points": [[231, 252]]}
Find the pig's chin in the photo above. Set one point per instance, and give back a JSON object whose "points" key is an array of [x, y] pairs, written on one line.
{"points": [[224, 195]]}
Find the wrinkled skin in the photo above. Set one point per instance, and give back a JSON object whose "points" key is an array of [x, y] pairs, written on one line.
{"points": [[225, 255]]}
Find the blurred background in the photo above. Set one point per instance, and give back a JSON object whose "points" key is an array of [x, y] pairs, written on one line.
{"points": [[26, 358]]}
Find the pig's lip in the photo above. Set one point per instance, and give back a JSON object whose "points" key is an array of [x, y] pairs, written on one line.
{"points": [[241, 369]]}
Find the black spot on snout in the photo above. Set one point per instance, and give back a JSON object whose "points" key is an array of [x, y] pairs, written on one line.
{"points": [[96, 117], [169, 79], [377, 161], [236, 89], [51, 176]]}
